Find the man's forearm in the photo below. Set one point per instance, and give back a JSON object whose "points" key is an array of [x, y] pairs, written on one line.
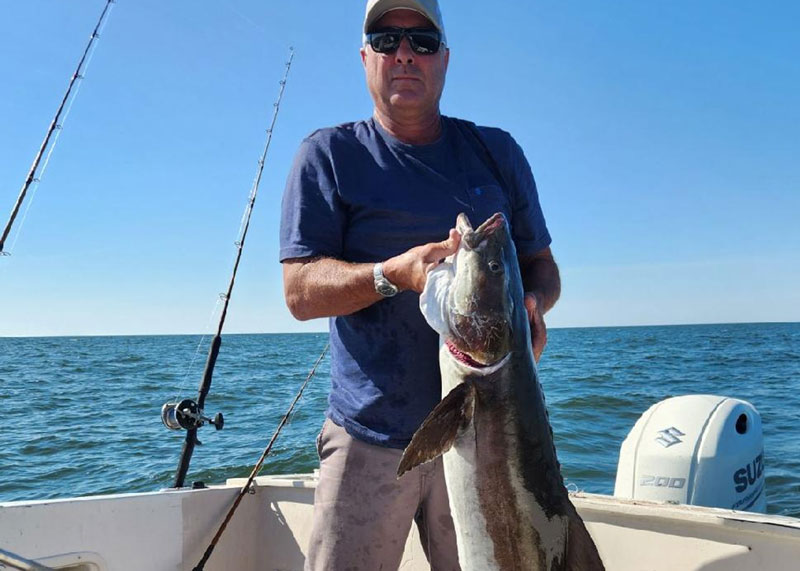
{"points": [[540, 276], [327, 287]]}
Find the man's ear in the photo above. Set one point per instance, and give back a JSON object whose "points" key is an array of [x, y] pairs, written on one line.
{"points": [[363, 56]]}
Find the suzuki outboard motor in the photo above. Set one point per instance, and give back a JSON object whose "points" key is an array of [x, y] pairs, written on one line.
{"points": [[696, 449]]}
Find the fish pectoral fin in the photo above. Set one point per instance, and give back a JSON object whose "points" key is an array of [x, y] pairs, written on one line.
{"points": [[439, 430]]}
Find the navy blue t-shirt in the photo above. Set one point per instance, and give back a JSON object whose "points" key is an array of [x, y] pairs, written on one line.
{"points": [[358, 194]]}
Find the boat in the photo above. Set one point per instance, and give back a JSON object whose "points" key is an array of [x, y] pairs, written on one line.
{"points": [[171, 529]]}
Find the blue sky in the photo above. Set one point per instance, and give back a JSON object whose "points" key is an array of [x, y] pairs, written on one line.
{"points": [[663, 136]]}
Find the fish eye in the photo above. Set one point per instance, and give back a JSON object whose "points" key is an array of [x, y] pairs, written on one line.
{"points": [[495, 267]]}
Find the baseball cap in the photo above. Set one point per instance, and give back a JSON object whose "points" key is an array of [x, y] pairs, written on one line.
{"points": [[428, 8]]}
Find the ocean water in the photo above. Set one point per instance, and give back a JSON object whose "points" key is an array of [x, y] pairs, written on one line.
{"points": [[81, 415]]}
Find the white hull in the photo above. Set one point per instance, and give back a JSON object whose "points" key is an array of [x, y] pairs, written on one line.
{"points": [[171, 530]]}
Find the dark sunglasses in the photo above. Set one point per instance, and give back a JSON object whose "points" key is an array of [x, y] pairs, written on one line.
{"points": [[423, 41]]}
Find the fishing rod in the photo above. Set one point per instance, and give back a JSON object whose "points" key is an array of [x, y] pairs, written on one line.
{"points": [[55, 125], [188, 414], [246, 488]]}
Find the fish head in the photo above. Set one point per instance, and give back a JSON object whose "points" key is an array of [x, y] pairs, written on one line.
{"points": [[481, 305]]}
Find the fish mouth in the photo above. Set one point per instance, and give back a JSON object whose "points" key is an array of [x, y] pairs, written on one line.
{"points": [[473, 238], [469, 361]]}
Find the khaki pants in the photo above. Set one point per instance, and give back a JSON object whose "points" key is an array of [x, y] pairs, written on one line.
{"points": [[363, 513]]}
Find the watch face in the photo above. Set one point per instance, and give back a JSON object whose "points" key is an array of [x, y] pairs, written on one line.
{"points": [[386, 289]]}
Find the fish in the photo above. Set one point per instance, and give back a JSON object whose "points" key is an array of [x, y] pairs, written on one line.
{"points": [[509, 504]]}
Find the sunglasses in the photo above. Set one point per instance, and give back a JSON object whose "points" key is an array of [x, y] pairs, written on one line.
{"points": [[424, 41]]}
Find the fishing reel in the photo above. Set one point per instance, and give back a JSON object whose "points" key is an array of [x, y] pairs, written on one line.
{"points": [[187, 415]]}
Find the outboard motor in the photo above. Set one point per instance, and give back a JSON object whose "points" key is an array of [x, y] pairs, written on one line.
{"points": [[696, 449]]}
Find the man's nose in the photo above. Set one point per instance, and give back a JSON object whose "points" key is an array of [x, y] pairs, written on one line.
{"points": [[404, 54]]}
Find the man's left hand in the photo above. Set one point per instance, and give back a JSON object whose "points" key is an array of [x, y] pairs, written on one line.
{"points": [[538, 327]]}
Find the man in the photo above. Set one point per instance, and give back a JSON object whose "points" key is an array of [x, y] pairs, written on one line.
{"points": [[359, 201]]}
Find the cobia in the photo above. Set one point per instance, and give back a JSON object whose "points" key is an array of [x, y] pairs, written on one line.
{"points": [[507, 497]]}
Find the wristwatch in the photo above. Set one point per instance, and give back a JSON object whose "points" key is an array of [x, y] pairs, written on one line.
{"points": [[382, 285]]}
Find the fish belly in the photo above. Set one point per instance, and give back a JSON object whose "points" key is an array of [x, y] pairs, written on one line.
{"points": [[475, 547]]}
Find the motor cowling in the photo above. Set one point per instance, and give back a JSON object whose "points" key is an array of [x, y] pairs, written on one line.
{"points": [[696, 449]]}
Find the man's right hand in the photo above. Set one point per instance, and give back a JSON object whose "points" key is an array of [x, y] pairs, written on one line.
{"points": [[409, 270]]}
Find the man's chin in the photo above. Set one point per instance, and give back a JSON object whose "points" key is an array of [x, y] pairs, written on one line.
{"points": [[408, 100]]}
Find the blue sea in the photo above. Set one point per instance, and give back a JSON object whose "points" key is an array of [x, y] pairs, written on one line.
{"points": [[81, 415]]}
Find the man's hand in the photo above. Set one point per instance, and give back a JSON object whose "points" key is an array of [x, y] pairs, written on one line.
{"points": [[409, 270], [538, 327], [542, 284]]}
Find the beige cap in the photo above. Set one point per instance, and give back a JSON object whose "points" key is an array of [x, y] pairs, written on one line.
{"points": [[428, 8]]}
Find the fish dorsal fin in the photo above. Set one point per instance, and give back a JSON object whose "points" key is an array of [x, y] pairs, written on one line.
{"points": [[439, 430]]}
